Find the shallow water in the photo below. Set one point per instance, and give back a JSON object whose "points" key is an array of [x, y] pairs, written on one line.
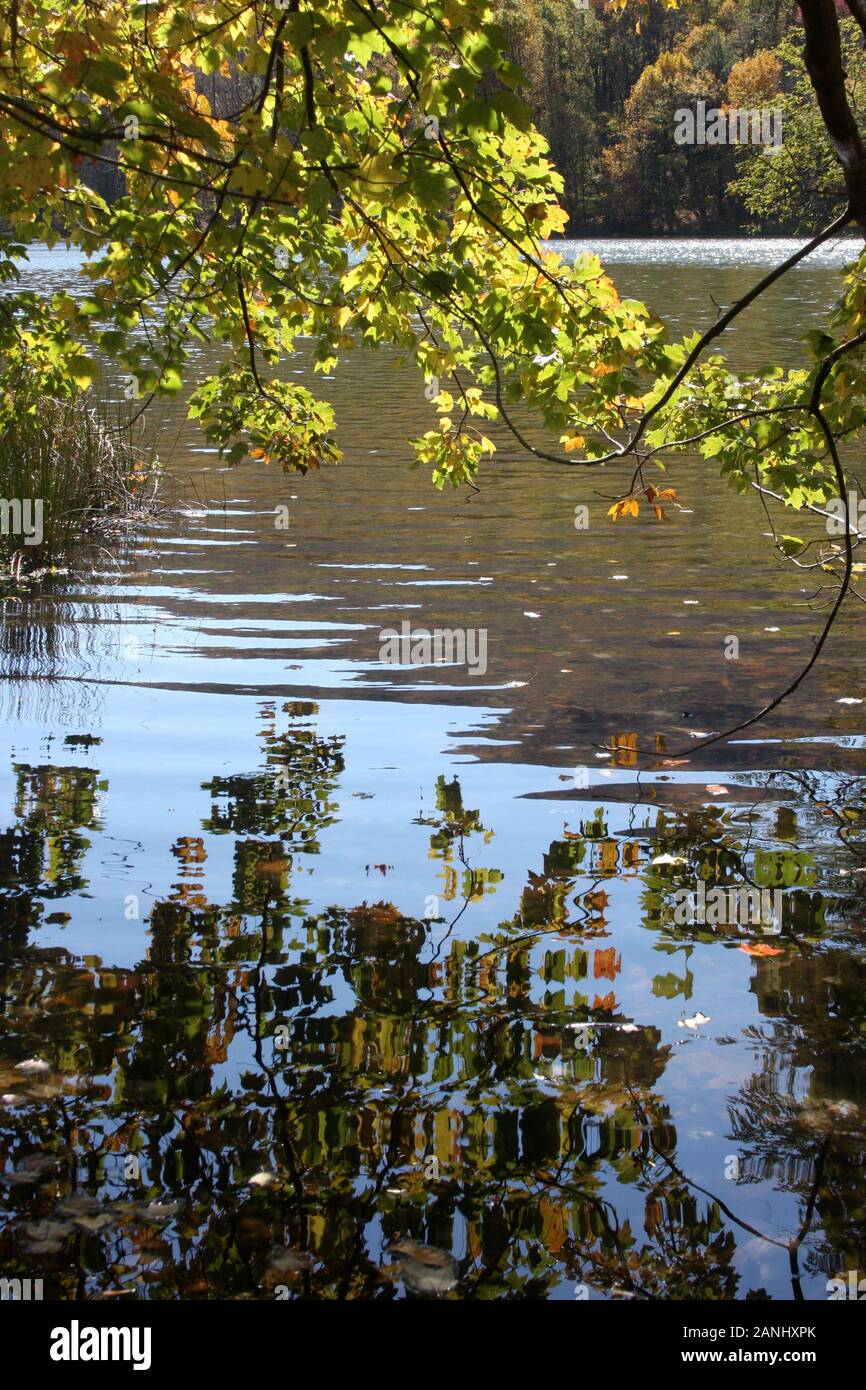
{"points": [[393, 936]]}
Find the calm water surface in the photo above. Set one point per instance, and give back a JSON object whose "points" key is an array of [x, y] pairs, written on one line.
{"points": [[399, 944]]}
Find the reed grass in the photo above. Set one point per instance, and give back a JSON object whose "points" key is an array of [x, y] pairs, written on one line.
{"points": [[87, 472]]}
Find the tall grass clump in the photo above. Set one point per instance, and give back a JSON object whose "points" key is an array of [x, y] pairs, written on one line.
{"points": [[68, 476]]}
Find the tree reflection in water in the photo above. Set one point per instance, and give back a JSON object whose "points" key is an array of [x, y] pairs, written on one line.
{"points": [[381, 1080]]}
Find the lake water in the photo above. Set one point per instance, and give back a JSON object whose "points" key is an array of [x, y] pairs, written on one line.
{"points": [[399, 943]]}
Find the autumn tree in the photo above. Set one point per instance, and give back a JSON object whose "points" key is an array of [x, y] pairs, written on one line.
{"points": [[380, 182], [648, 173], [802, 183]]}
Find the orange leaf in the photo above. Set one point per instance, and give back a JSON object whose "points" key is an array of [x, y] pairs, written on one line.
{"points": [[577, 441], [760, 948], [608, 1003], [626, 506]]}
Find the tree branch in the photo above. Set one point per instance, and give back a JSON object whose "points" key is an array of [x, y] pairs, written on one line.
{"points": [[823, 54]]}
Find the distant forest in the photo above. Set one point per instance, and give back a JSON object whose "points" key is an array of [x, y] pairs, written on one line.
{"points": [[606, 97], [606, 93]]}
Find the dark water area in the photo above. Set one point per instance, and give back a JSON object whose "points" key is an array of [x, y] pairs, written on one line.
{"points": [[303, 954]]}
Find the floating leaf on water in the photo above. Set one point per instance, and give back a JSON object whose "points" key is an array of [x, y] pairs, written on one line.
{"points": [[79, 1206], [36, 1091], [843, 1109], [92, 1225], [159, 1211], [32, 1066], [424, 1254], [125, 1208], [667, 859], [261, 1180], [425, 1268], [760, 948], [288, 1260], [830, 1116], [694, 1022], [49, 1230]]}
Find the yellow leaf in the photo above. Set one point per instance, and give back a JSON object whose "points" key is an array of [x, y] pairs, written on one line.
{"points": [[577, 441]]}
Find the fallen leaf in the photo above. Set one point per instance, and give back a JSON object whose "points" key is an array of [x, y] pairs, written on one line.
{"points": [[92, 1225], [289, 1261], [261, 1180], [425, 1269]]}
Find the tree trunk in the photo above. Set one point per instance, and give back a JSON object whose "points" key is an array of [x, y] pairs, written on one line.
{"points": [[824, 64]]}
